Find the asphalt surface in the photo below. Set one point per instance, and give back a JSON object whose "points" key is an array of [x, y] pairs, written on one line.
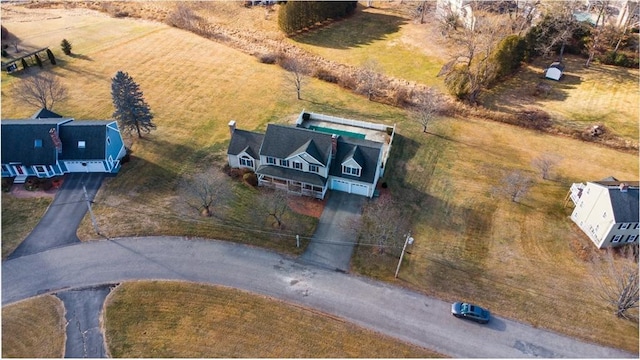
{"points": [[390, 310], [83, 308], [333, 243], [59, 224]]}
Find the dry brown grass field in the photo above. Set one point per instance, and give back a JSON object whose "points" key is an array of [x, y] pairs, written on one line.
{"points": [[33, 328], [169, 319], [523, 260]]}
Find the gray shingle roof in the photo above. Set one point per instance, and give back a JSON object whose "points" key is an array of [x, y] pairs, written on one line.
{"points": [[93, 133], [19, 136], [248, 141], [625, 205], [282, 141], [45, 114], [365, 152], [291, 174]]}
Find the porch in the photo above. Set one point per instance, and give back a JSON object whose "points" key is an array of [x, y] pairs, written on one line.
{"points": [[292, 186]]}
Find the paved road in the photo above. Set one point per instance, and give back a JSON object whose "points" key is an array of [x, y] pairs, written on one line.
{"points": [[332, 243], [83, 309], [59, 224], [397, 312]]}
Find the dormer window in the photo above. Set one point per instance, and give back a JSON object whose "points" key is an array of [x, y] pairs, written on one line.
{"points": [[271, 160], [37, 143], [350, 170], [297, 165], [284, 163], [82, 144], [313, 168]]}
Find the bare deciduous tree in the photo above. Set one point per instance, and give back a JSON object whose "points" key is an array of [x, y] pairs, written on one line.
{"points": [[368, 78], [618, 281], [545, 164], [205, 191], [558, 27], [384, 223], [514, 185], [296, 73], [425, 109], [41, 90], [273, 204]]}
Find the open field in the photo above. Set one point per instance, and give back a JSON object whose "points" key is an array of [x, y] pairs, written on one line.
{"points": [[169, 319], [524, 261], [598, 95], [34, 328]]}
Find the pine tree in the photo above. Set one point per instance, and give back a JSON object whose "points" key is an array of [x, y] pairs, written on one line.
{"points": [[25, 66], [66, 47], [131, 110], [38, 61]]}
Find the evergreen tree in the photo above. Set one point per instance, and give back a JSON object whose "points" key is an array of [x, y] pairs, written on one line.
{"points": [[66, 47], [25, 66], [51, 57], [131, 110]]}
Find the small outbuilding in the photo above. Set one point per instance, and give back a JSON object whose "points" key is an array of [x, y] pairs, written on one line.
{"points": [[554, 71]]}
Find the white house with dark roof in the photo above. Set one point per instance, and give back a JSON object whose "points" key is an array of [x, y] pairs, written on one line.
{"points": [[319, 153], [607, 211], [55, 145]]}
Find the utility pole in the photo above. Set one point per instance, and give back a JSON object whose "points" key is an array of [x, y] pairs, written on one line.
{"points": [[408, 240], [93, 219]]}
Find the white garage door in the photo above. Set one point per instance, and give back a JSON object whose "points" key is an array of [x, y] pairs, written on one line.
{"points": [[360, 189], [89, 166], [340, 185]]}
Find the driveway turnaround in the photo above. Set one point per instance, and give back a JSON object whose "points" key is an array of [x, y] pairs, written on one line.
{"points": [[388, 309], [59, 224], [332, 243]]}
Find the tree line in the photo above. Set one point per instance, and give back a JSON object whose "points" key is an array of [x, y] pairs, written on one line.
{"points": [[297, 15]]}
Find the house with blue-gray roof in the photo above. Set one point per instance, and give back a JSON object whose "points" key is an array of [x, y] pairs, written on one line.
{"points": [[53, 145], [607, 211], [317, 154]]}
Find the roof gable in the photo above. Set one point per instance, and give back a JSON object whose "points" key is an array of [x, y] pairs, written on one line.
{"points": [[245, 141], [45, 114], [308, 152], [282, 142], [366, 152]]}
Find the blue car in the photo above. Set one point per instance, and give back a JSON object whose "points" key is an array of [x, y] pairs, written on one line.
{"points": [[469, 311]]}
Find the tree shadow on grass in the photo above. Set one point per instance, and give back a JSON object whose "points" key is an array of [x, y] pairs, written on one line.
{"points": [[81, 57], [361, 29]]}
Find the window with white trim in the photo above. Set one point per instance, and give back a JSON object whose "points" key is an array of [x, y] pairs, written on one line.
{"points": [[631, 238], [637, 226], [350, 170], [284, 162], [624, 226], [246, 161], [37, 143], [271, 160], [297, 165], [313, 168], [616, 238], [5, 168], [604, 215], [40, 169], [82, 144]]}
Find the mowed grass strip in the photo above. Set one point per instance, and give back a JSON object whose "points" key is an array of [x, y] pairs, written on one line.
{"points": [[19, 217], [526, 260], [33, 328], [171, 319]]}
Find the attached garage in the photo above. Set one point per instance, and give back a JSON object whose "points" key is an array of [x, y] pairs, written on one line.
{"points": [[86, 166], [350, 187], [359, 189], [340, 185]]}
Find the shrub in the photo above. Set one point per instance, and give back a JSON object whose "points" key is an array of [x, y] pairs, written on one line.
{"points": [[325, 75], [4, 53], [46, 184], [509, 54], [534, 119], [25, 66], [6, 184], [51, 57], [270, 58], [250, 178], [38, 61], [348, 81]]}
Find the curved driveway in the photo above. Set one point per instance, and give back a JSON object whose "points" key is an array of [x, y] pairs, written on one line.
{"points": [[388, 309]]}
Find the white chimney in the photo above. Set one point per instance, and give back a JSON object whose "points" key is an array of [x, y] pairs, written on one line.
{"points": [[232, 126]]}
